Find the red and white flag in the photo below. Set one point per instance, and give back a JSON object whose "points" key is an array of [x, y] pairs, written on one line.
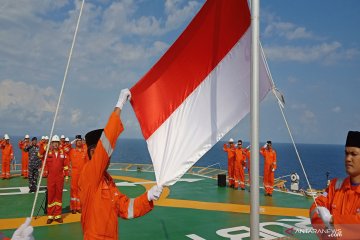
{"points": [[199, 89]]}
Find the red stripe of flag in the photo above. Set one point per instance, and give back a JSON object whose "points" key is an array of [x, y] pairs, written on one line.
{"points": [[204, 43]]}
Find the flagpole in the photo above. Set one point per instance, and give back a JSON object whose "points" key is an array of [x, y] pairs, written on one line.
{"points": [[254, 113]]}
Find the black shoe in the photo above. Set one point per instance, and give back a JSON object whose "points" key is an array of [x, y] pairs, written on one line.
{"points": [[59, 220], [79, 211], [270, 195], [73, 211], [49, 221], [242, 188]]}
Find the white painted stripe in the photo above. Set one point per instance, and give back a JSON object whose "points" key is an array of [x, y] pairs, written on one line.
{"points": [[106, 144], [211, 111]]}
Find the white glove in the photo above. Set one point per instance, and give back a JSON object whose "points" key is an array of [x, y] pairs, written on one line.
{"points": [[325, 216], [24, 232], [273, 169], [125, 95], [154, 193], [265, 146]]}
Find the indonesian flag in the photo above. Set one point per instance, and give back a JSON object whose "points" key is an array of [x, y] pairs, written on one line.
{"points": [[199, 89]]}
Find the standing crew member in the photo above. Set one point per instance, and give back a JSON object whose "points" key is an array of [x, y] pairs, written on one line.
{"points": [[240, 165], [339, 206], [269, 155], [78, 158], [24, 156], [42, 152], [230, 149], [34, 163], [56, 163], [102, 202], [66, 147], [7, 156]]}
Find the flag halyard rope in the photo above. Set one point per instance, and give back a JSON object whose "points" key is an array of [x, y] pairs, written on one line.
{"points": [[57, 107]]}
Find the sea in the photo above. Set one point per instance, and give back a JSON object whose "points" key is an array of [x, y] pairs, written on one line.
{"points": [[320, 161]]}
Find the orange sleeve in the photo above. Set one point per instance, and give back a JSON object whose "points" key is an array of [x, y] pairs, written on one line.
{"points": [[322, 201], [274, 160], [129, 208], [225, 148], [11, 151], [66, 165], [262, 151], [95, 168]]}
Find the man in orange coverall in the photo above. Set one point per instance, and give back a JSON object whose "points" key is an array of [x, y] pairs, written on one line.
{"points": [[7, 156], [57, 164], [78, 158], [42, 151], [24, 156], [102, 202], [337, 210], [240, 165], [269, 155], [230, 150]]}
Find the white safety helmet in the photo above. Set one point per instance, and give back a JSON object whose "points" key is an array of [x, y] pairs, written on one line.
{"points": [[62, 136], [46, 138], [42, 137], [67, 139], [55, 138], [6, 136], [27, 136], [231, 140]]}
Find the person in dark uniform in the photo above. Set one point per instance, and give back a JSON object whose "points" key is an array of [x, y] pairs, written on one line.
{"points": [[34, 163]]}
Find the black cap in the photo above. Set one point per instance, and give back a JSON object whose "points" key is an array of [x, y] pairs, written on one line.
{"points": [[239, 141], [78, 137], [34, 138], [353, 139], [268, 142], [93, 137]]}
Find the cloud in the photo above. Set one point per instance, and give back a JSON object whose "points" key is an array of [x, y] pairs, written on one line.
{"points": [[76, 116], [287, 30], [25, 101], [176, 15], [336, 109], [327, 53], [278, 28]]}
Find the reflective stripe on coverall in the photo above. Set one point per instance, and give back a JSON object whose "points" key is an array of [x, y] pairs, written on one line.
{"points": [[101, 201], [343, 201]]}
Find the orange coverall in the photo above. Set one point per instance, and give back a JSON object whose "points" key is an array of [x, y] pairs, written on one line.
{"points": [[240, 161], [78, 158], [231, 161], [42, 152], [66, 147], [101, 200], [57, 163], [247, 151], [269, 165], [24, 158], [343, 201], [7, 156]]}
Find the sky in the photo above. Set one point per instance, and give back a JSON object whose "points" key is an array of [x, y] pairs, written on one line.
{"points": [[312, 48]]}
